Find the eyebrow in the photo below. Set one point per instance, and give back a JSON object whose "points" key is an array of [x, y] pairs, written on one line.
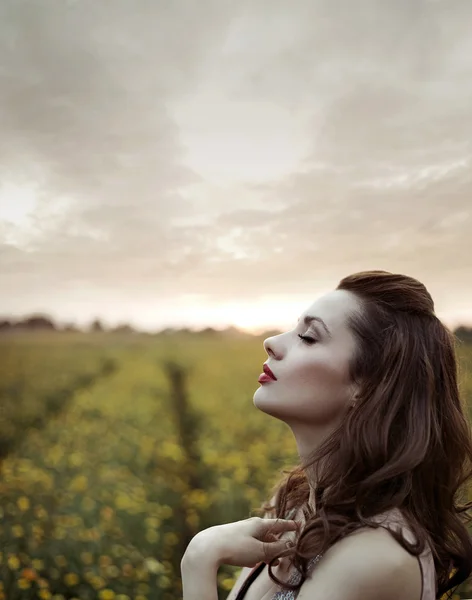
{"points": [[309, 319]]}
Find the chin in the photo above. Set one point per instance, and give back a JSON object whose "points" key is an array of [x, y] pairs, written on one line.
{"points": [[265, 403]]}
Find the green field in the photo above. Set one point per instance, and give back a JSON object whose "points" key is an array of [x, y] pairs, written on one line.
{"points": [[115, 450]]}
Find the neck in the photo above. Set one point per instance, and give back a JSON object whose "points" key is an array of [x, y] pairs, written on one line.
{"points": [[307, 442]]}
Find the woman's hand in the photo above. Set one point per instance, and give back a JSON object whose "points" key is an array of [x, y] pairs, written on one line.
{"points": [[243, 543]]}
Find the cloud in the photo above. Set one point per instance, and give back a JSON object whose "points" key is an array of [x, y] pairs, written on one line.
{"points": [[85, 120], [231, 150], [85, 94]]}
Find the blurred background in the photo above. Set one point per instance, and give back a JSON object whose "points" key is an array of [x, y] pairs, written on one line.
{"points": [[179, 180]]}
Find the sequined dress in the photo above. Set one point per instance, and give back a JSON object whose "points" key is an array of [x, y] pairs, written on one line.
{"points": [[392, 519], [294, 578]]}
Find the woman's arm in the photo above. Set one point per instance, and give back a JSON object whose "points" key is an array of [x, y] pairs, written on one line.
{"points": [[244, 543], [245, 571], [199, 571]]}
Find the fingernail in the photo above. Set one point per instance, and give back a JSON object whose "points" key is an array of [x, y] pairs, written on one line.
{"points": [[289, 544]]}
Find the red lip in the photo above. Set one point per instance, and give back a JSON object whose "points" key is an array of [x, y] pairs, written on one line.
{"points": [[268, 372]]}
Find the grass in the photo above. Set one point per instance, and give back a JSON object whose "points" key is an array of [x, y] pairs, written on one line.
{"points": [[98, 498]]}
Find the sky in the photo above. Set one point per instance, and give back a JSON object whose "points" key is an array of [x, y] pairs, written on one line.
{"points": [[219, 163]]}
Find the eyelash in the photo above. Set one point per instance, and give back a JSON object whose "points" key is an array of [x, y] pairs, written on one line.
{"points": [[307, 339]]}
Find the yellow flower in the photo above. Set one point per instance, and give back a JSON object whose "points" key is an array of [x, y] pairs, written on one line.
{"points": [[141, 574], [71, 579], [171, 539], [127, 570], [13, 562], [107, 513], [123, 502], [118, 551], [38, 531], [23, 503], [79, 484], [38, 564], [165, 511], [152, 536], [104, 561], [59, 533], [44, 594], [88, 575], [61, 560], [93, 534], [227, 583], [18, 531], [40, 512], [106, 594], [112, 571], [88, 504], [198, 498], [152, 522], [164, 582], [153, 565], [143, 588], [23, 583], [97, 582], [192, 519], [29, 574], [75, 459], [86, 558]]}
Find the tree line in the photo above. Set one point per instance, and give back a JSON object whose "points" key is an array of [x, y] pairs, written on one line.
{"points": [[44, 323]]}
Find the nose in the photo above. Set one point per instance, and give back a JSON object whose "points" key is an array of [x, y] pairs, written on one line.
{"points": [[269, 347]]}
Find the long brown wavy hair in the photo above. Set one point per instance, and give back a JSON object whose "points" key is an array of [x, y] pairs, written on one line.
{"points": [[405, 444]]}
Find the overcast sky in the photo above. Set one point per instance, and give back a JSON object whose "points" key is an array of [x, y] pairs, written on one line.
{"points": [[219, 162]]}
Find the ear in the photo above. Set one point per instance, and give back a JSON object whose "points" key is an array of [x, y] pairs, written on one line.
{"points": [[354, 394]]}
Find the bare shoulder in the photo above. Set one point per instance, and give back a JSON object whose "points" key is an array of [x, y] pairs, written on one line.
{"points": [[368, 564]]}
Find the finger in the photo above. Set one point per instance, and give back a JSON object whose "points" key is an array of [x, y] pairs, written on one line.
{"points": [[275, 549], [282, 526], [277, 525]]}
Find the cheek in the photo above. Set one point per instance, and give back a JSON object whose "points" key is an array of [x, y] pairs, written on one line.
{"points": [[315, 390], [326, 374]]}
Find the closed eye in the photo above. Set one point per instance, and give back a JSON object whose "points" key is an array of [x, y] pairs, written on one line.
{"points": [[307, 339]]}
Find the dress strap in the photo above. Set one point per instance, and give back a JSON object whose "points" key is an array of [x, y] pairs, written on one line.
{"points": [[249, 579], [295, 579]]}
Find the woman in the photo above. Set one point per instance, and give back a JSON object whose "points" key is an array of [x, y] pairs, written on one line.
{"points": [[367, 382]]}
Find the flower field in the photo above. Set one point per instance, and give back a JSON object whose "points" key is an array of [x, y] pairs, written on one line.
{"points": [[115, 450]]}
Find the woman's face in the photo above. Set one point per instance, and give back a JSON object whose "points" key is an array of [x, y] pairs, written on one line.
{"points": [[313, 386]]}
